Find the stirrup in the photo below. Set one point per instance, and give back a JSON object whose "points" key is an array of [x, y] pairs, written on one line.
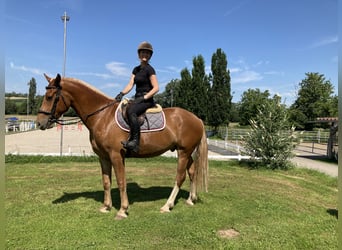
{"points": [[134, 148], [124, 143]]}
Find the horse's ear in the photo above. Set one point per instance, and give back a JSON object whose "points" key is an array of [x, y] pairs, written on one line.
{"points": [[47, 78], [58, 81]]}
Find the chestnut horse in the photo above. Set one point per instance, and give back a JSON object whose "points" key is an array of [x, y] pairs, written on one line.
{"points": [[183, 132]]}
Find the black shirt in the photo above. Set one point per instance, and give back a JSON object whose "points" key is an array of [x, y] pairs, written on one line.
{"points": [[142, 78]]}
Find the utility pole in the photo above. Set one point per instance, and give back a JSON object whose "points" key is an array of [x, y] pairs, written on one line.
{"points": [[65, 18]]}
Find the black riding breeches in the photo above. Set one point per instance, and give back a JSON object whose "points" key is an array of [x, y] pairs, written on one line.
{"points": [[139, 108]]}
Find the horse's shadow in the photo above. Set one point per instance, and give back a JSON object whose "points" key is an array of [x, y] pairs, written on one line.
{"points": [[134, 191]]}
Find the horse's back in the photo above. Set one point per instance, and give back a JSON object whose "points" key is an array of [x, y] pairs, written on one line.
{"points": [[175, 112], [184, 123]]}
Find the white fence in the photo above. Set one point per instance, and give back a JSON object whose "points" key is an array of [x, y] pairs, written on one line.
{"points": [[228, 150], [76, 142], [20, 126]]}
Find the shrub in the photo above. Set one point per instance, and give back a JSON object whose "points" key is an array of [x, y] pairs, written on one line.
{"points": [[271, 141]]}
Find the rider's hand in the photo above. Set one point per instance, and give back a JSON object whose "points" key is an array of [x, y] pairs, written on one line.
{"points": [[119, 97]]}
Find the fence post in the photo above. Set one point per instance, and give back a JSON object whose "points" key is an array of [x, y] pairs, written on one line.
{"points": [[319, 136]]}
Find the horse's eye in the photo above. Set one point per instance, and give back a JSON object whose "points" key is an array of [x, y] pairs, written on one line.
{"points": [[48, 98]]}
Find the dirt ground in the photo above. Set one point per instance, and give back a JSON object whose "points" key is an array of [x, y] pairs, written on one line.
{"points": [[74, 140]]}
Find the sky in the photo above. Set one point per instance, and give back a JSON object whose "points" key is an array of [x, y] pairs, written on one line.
{"points": [[269, 44]]}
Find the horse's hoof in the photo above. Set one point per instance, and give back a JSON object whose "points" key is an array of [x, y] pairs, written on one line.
{"points": [[189, 202], [105, 209], [120, 217], [165, 210]]}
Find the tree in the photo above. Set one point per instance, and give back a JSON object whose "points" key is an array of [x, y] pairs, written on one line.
{"points": [[183, 96], [251, 101], [200, 87], [32, 96], [219, 94], [271, 140], [10, 106], [333, 104], [314, 100], [234, 115], [39, 101], [167, 98]]}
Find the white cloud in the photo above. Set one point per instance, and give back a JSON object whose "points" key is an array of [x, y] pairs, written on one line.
{"points": [[118, 69], [274, 73], [110, 86], [324, 41], [104, 76], [169, 69], [173, 69], [26, 69], [261, 62], [234, 70], [246, 76], [235, 8]]}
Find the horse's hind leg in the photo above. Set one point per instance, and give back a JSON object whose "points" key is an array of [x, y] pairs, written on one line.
{"points": [[192, 194], [184, 162], [106, 168]]}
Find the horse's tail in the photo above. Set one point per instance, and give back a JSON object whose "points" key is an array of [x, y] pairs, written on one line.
{"points": [[201, 163]]}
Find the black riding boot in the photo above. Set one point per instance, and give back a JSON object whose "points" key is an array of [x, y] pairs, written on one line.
{"points": [[134, 138]]}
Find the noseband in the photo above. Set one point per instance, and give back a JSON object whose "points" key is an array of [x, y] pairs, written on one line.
{"points": [[51, 114]]}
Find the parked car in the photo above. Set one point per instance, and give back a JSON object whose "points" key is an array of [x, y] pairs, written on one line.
{"points": [[12, 124]]}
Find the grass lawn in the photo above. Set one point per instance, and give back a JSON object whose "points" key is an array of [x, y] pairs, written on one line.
{"points": [[54, 205]]}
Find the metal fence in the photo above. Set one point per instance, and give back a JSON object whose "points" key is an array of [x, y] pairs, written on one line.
{"points": [[308, 141]]}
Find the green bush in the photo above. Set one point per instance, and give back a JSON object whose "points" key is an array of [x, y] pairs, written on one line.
{"points": [[271, 140]]}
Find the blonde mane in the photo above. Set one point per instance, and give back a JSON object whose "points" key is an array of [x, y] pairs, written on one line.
{"points": [[88, 85]]}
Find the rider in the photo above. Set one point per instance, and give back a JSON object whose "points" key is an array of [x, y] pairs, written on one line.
{"points": [[144, 78]]}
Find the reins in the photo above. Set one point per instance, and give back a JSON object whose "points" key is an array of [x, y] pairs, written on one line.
{"points": [[100, 109]]}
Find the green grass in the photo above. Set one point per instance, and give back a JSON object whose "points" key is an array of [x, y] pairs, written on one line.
{"points": [[54, 205]]}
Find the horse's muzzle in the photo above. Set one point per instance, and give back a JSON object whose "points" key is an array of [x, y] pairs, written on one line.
{"points": [[43, 123]]}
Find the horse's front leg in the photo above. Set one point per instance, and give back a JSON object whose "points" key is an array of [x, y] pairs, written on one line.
{"points": [[106, 168], [119, 168]]}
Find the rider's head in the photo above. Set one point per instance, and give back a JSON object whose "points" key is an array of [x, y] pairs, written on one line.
{"points": [[145, 46]]}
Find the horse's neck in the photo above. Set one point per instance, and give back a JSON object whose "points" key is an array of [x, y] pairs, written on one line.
{"points": [[86, 100]]}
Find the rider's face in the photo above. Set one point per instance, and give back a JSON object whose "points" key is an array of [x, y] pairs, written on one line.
{"points": [[144, 55]]}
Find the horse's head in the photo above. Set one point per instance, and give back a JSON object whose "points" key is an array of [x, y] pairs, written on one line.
{"points": [[53, 105]]}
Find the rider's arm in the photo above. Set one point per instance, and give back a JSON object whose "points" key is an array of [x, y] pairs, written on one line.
{"points": [[129, 86], [155, 88]]}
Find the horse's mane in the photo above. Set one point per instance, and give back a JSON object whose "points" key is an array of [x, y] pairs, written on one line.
{"points": [[87, 85]]}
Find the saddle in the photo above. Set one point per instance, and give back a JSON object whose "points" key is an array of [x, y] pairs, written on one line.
{"points": [[152, 120]]}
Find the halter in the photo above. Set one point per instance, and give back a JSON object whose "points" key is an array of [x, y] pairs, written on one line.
{"points": [[51, 114]]}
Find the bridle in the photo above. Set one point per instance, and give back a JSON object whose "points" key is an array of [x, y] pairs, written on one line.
{"points": [[51, 114], [52, 117]]}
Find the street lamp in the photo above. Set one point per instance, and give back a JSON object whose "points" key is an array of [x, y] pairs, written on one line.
{"points": [[65, 18], [28, 102]]}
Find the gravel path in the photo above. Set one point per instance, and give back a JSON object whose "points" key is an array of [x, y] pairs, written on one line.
{"points": [[75, 141], [316, 162]]}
